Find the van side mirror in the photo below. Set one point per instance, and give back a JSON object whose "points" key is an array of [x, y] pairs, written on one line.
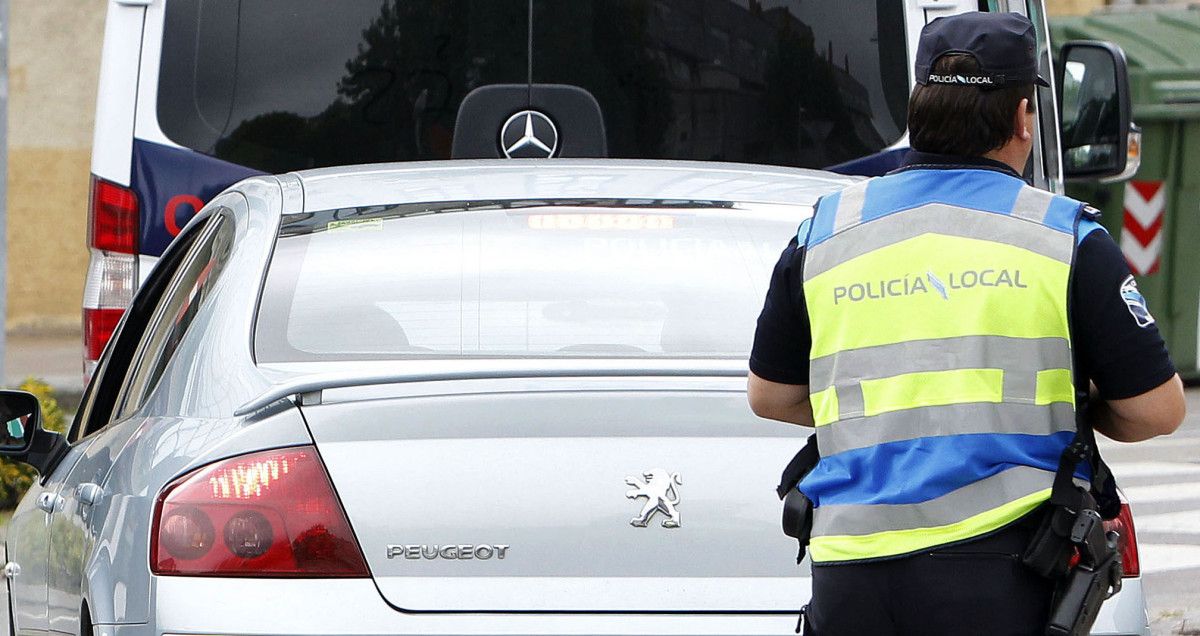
{"points": [[21, 434], [1095, 110]]}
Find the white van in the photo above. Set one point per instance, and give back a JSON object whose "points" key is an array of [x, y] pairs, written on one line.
{"points": [[197, 94]]}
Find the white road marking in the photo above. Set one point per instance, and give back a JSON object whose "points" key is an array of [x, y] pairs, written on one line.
{"points": [[1131, 470], [1162, 492], [1185, 522], [1107, 445], [1156, 557]]}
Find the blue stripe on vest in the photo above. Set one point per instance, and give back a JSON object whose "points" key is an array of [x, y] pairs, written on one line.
{"points": [[975, 189], [1062, 214], [1086, 227], [802, 232], [823, 217], [984, 190], [917, 470]]}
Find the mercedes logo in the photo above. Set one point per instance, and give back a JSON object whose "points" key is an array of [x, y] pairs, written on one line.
{"points": [[529, 134]]}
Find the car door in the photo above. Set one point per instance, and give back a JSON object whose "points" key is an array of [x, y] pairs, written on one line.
{"points": [[26, 547], [74, 489], [34, 522]]}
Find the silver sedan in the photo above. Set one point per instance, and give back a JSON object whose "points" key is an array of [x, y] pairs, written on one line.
{"points": [[479, 397]]}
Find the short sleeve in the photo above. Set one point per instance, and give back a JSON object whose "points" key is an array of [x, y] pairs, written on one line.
{"points": [[1117, 343], [782, 339]]}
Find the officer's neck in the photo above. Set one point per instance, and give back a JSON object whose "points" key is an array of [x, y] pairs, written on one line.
{"points": [[1014, 154], [1015, 151]]}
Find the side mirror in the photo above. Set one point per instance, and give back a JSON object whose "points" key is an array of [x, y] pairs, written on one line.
{"points": [[1095, 110], [21, 434]]}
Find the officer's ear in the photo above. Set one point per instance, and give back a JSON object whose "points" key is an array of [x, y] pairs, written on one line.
{"points": [[1023, 121]]}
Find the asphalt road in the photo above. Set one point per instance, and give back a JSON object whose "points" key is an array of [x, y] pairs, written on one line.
{"points": [[1161, 480]]}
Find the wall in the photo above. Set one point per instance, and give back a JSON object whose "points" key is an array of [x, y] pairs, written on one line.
{"points": [[54, 61]]}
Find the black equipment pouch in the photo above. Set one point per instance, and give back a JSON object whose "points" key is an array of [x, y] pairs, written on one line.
{"points": [[1049, 551], [1074, 524], [797, 509]]}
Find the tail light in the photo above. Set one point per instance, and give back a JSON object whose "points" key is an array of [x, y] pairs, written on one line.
{"points": [[113, 218], [98, 327], [268, 514], [113, 269], [1123, 524]]}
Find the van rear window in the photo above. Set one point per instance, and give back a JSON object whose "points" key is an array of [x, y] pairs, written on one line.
{"points": [[279, 85]]}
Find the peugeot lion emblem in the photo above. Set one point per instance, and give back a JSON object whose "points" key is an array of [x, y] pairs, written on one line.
{"points": [[529, 135], [661, 490]]}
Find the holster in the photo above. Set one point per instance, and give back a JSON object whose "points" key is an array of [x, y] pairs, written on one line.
{"points": [[1049, 551], [1087, 587], [1073, 525], [797, 509]]}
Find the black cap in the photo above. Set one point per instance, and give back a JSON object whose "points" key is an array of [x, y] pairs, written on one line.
{"points": [[1004, 44]]}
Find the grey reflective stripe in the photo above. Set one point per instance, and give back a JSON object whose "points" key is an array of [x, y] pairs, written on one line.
{"points": [[1022, 386], [850, 207], [935, 218], [1032, 204], [850, 401], [1017, 356], [948, 419], [966, 502]]}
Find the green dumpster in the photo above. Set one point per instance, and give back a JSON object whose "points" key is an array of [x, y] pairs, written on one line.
{"points": [[1155, 217]]}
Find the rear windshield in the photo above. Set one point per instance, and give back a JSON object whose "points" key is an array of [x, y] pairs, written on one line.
{"points": [[281, 85], [567, 279]]}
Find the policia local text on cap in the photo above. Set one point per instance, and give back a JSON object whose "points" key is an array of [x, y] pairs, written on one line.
{"points": [[946, 410]]}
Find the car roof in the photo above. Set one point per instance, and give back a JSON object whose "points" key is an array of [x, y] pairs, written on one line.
{"points": [[516, 179]]}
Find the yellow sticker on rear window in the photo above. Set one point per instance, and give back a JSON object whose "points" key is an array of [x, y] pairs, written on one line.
{"points": [[354, 224]]}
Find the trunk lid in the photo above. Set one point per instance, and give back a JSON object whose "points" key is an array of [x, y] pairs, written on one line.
{"points": [[440, 478]]}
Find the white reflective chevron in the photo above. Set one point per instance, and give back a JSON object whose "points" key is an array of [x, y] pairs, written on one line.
{"points": [[1141, 257], [1145, 212]]}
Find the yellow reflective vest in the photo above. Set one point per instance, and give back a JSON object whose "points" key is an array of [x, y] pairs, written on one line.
{"points": [[940, 369]]}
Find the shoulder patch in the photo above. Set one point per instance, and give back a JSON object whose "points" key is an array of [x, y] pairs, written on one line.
{"points": [[1136, 302]]}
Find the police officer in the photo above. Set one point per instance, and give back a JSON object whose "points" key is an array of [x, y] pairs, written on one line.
{"points": [[942, 326]]}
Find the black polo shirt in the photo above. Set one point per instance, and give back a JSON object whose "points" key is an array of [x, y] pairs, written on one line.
{"points": [[1115, 342]]}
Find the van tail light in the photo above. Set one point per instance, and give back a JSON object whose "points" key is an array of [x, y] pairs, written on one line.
{"points": [[111, 281], [113, 268], [267, 514], [1123, 524], [112, 218], [98, 327]]}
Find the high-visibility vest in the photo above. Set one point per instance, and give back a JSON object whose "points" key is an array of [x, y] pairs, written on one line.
{"points": [[940, 370]]}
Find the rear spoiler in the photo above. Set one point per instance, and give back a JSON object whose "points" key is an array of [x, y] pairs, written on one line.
{"points": [[396, 372]]}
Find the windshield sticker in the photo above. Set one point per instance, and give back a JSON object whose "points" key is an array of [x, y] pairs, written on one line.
{"points": [[355, 224], [1136, 302]]}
